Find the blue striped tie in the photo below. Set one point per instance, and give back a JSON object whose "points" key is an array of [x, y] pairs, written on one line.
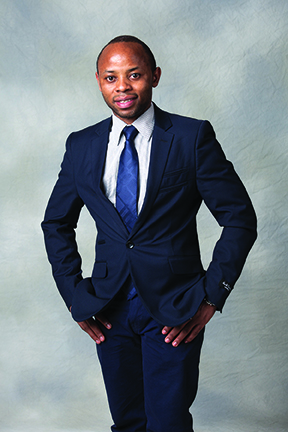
{"points": [[127, 182], [127, 185]]}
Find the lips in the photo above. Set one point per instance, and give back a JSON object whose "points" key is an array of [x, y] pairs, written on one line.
{"points": [[125, 102]]}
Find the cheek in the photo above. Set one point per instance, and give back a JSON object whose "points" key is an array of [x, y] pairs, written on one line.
{"points": [[144, 90], [106, 92]]}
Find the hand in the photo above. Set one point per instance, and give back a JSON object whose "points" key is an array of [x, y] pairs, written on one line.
{"points": [[91, 327], [190, 329]]}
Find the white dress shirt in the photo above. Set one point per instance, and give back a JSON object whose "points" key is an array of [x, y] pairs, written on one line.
{"points": [[145, 125]]}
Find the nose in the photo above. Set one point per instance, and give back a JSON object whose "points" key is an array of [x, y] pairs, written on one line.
{"points": [[123, 84]]}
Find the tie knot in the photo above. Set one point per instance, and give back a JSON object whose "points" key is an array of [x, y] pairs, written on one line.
{"points": [[130, 133]]}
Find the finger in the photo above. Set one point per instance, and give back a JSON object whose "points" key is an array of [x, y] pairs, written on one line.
{"points": [[192, 335], [183, 334], [173, 333], [93, 330], [166, 330], [102, 318]]}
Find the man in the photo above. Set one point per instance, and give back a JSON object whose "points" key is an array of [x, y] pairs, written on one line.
{"points": [[149, 298]]}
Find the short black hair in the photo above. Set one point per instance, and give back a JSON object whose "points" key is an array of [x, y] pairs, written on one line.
{"points": [[133, 39]]}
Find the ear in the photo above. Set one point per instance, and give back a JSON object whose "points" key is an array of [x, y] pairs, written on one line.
{"points": [[98, 81], [156, 76]]}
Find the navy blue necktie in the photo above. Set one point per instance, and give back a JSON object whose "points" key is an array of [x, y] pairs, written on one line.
{"points": [[127, 182], [127, 186]]}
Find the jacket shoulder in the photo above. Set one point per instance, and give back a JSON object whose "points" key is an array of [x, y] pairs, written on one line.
{"points": [[177, 121], [91, 131]]}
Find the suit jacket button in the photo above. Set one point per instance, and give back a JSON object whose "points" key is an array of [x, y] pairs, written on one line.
{"points": [[130, 245]]}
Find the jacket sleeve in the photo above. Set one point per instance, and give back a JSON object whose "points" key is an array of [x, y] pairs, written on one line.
{"points": [[59, 224], [227, 199]]}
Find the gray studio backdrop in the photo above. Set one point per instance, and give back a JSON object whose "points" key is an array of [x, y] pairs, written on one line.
{"points": [[225, 61]]}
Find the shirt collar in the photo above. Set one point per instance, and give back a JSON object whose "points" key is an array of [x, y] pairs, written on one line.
{"points": [[144, 124]]}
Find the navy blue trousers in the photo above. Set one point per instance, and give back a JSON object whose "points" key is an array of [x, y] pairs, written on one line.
{"points": [[150, 385]]}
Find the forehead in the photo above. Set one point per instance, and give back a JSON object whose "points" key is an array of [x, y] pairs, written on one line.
{"points": [[123, 54]]}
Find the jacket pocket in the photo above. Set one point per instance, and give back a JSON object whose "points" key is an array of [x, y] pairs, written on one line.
{"points": [[99, 270], [186, 265], [174, 179]]}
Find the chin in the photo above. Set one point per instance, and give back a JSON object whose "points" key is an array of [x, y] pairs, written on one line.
{"points": [[126, 115]]}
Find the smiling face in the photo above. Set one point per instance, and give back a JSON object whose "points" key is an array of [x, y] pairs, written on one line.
{"points": [[125, 79]]}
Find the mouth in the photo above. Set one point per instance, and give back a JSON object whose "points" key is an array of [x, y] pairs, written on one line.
{"points": [[125, 102]]}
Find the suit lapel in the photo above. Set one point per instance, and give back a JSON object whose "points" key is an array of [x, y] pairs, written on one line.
{"points": [[98, 156], [98, 151], [161, 143]]}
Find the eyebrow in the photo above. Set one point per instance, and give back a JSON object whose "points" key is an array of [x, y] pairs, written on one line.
{"points": [[129, 70]]}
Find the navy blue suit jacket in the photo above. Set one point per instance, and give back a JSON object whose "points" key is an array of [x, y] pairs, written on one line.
{"points": [[162, 252]]}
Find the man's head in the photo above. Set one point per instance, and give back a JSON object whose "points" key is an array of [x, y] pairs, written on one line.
{"points": [[126, 74], [127, 39]]}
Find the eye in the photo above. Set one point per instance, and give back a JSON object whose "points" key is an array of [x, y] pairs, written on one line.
{"points": [[135, 75], [110, 78]]}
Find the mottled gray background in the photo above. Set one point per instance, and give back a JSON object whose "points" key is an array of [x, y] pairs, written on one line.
{"points": [[222, 60]]}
